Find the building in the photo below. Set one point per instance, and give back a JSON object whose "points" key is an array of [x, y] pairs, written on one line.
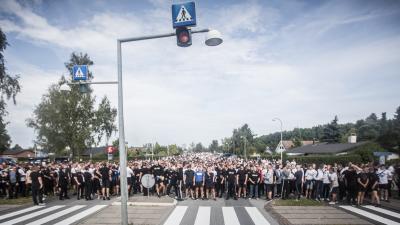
{"points": [[18, 152], [288, 144], [325, 148]]}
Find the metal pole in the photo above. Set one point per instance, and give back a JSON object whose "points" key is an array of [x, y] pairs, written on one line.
{"points": [[245, 148], [122, 150], [122, 155]]}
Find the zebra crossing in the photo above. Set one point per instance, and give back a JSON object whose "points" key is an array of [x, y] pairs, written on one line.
{"points": [[375, 214], [57, 214], [208, 215]]}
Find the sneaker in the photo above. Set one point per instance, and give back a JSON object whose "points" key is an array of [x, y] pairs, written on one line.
{"points": [[108, 198], [332, 203], [42, 204], [104, 198]]}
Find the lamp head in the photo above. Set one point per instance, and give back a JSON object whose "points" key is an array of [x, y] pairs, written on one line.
{"points": [[213, 38]]}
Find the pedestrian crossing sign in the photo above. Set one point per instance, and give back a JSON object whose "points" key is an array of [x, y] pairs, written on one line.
{"points": [[184, 15], [80, 72]]}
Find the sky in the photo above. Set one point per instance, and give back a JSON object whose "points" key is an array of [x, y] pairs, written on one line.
{"points": [[301, 61]]}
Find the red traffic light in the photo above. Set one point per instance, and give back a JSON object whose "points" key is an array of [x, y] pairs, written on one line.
{"points": [[183, 37]]}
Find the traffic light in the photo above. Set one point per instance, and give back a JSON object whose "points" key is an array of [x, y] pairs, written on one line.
{"points": [[183, 37], [84, 88]]}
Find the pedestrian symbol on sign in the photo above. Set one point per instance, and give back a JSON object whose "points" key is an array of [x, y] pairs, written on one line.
{"points": [[80, 72], [183, 15]]}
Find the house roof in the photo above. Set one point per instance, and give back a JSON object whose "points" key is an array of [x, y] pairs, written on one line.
{"points": [[16, 151], [325, 148]]}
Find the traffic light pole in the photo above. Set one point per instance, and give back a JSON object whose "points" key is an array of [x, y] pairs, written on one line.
{"points": [[122, 150]]}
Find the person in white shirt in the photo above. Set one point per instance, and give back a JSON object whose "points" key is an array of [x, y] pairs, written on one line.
{"points": [[390, 180], [325, 184], [309, 176], [334, 184], [383, 175], [22, 180], [318, 183]]}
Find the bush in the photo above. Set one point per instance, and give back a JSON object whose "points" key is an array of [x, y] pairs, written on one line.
{"points": [[393, 162]]}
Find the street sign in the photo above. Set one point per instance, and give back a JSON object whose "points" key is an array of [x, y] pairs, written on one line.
{"points": [[110, 149], [184, 14], [148, 181], [80, 72]]}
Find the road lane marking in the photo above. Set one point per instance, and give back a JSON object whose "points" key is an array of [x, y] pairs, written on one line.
{"points": [[203, 216], [256, 216], [81, 215], [32, 215], [369, 215], [384, 211], [56, 215], [20, 212], [176, 216], [230, 217]]}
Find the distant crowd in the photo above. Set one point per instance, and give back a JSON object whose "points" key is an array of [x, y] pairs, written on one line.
{"points": [[204, 176]]}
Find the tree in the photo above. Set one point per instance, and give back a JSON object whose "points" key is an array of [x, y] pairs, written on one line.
{"points": [[70, 119], [214, 147], [199, 147], [331, 132], [9, 88]]}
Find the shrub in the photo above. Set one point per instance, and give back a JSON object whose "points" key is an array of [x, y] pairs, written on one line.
{"points": [[327, 159]]}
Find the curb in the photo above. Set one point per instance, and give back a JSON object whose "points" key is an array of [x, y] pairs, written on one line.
{"points": [[148, 203]]}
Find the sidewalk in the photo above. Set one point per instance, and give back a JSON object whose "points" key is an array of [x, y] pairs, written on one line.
{"points": [[313, 215], [148, 201]]}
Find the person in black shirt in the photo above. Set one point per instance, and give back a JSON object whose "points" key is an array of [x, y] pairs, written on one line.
{"points": [[210, 182], [143, 171], [106, 181], [350, 176], [374, 186], [189, 181], [232, 180], [242, 181], [79, 182], [362, 180], [63, 183], [254, 179], [299, 181], [88, 184], [37, 186], [220, 182], [158, 172]]}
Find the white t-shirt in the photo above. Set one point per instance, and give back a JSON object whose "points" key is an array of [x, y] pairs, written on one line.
{"points": [[129, 172], [310, 174], [325, 178], [319, 175], [22, 174], [334, 179], [383, 176], [269, 177]]}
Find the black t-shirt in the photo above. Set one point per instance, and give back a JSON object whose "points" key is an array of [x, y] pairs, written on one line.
{"points": [[363, 177], [242, 174], [209, 177], [145, 170], [87, 175], [231, 174], [351, 177], [35, 179], [254, 176], [189, 175], [157, 170], [105, 172], [180, 174], [373, 177], [299, 176]]}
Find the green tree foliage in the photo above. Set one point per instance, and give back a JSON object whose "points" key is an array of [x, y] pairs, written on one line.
{"points": [[331, 132], [9, 88], [70, 119], [214, 147]]}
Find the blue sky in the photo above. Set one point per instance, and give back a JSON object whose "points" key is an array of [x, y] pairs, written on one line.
{"points": [[301, 61]]}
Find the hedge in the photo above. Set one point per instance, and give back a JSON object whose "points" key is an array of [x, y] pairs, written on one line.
{"points": [[327, 159]]}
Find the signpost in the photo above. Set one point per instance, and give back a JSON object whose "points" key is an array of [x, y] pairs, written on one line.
{"points": [[184, 15], [80, 72], [148, 182]]}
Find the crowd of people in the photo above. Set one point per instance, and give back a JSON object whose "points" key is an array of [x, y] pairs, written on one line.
{"points": [[203, 176]]}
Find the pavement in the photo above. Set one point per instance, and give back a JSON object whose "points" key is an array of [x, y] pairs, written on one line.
{"points": [[168, 211]]}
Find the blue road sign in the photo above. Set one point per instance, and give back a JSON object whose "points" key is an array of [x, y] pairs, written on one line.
{"points": [[184, 14], [80, 72]]}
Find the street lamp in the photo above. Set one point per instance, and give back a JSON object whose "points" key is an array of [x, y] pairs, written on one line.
{"points": [[281, 143], [245, 150], [213, 38]]}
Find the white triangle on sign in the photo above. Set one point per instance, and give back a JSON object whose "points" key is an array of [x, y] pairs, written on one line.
{"points": [[183, 15], [79, 73]]}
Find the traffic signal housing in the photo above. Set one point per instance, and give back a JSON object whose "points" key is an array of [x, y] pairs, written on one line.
{"points": [[84, 88], [183, 37]]}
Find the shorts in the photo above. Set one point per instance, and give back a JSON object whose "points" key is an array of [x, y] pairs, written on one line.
{"points": [[105, 183], [383, 186], [199, 184], [210, 185], [269, 187], [334, 190], [189, 185], [361, 188], [309, 184], [242, 184], [129, 180]]}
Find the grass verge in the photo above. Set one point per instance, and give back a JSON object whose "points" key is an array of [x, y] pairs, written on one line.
{"points": [[16, 201]]}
